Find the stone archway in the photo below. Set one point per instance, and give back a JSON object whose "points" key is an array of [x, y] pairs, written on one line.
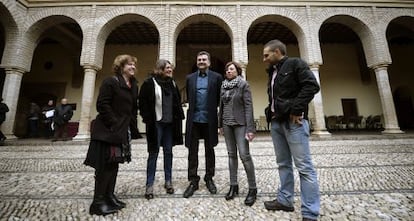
{"points": [[345, 75], [2, 45], [128, 34], [201, 33], [261, 31], [55, 67]]}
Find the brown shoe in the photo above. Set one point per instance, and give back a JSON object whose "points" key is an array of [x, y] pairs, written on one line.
{"points": [[275, 205]]}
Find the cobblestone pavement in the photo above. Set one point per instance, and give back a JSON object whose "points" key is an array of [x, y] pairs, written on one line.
{"points": [[361, 178]]}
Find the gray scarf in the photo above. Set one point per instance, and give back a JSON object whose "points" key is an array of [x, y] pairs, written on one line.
{"points": [[230, 84]]}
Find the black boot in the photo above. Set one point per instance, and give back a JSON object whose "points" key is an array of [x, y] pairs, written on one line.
{"points": [[234, 191], [251, 197], [99, 206], [114, 201]]}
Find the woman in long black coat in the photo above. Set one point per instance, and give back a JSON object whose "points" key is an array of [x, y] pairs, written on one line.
{"points": [[115, 125], [162, 113]]}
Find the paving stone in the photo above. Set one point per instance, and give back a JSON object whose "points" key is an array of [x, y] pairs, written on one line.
{"points": [[359, 179]]}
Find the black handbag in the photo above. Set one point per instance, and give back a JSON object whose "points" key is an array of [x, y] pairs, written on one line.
{"points": [[120, 153]]}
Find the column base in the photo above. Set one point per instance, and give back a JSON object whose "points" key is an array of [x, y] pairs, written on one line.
{"points": [[11, 137], [392, 131], [82, 137], [321, 133]]}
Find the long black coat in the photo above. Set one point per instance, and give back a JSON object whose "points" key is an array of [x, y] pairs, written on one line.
{"points": [[147, 112], [117, 106], [214, 85]]}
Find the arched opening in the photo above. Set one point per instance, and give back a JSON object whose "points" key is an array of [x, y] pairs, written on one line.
{"points": [[201, 33], [55, 72], [2, 45], [349, 86], [129, 34], [7, 26], [260, 32], [400, 37]]}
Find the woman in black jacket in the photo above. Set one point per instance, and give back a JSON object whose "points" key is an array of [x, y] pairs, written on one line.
{"points": [[115, 125], [162, 113]]}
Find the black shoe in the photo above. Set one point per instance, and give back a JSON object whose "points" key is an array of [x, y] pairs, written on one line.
{"points": [[251, 197], [234, 191], [190, 190], [123, 204], [169, 187], [116, 202], [99, 207], [149, 193], [275, 205], [210, 186]]}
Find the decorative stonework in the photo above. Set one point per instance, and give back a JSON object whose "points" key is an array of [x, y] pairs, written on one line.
{"points": [[23, 27]]}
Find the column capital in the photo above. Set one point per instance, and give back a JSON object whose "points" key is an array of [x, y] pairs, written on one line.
{"points": [[19, 70], [314, 66], [383, 66], [91, 66]]}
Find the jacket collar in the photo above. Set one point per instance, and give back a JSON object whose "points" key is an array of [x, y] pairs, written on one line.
{"points": [[278, 65]]}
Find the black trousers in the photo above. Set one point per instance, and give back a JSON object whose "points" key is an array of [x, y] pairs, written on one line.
{"points": [[105, 179], [200, 131]]}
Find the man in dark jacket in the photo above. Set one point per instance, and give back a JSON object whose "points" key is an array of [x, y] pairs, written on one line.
{"points": [[203, 92], [3, 110], [290, 89], [63, 113]]}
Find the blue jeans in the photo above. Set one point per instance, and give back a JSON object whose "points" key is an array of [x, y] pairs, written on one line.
{"points": [[165, 139], [291, 141]]}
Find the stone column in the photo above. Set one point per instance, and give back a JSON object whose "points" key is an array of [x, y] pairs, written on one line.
{"points": [[319, 128], [11, 92], [387, 102], [243, 66], [87, 98]]}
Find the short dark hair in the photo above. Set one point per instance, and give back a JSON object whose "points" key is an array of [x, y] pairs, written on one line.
{"points": [[237, 65], [276, 44], [204, 53]]}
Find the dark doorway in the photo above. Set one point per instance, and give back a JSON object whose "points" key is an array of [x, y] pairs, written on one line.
{"points": [[349, 107]]}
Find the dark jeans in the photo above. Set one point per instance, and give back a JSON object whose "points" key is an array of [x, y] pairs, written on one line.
{"points": [[165, 139], [198, 131]]}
